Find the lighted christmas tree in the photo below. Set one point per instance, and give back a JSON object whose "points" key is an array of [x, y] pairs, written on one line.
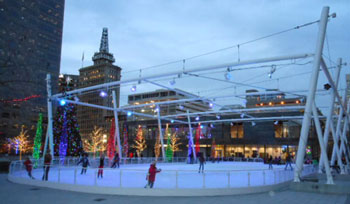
{"points": [[169, 150], [125, 141], [38, 137], [175, 143], [140, 142], [111, 142], [198, 134], [67, 139], [213, 147], [157, 146], [21, 142], [96, 141]]}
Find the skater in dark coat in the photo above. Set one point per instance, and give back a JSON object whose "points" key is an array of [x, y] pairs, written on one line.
{"points": [[85, 163], [151, 176], [270, 162], [115, 161], [100, 167], [47, 164], [29, 167], [201, 163], [288, 162]]}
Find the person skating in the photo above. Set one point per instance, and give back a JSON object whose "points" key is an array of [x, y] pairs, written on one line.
{"points": [[47, 164], [85, 163], [151, 176], [100, 167], [270, 162], [288, 162], [115, 161], [201, 163], [29, 167]]}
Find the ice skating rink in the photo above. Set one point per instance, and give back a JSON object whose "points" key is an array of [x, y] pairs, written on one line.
{"points": [[172, 176]]}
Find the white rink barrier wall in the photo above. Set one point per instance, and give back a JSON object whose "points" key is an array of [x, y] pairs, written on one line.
{"points": [[175, 179]]}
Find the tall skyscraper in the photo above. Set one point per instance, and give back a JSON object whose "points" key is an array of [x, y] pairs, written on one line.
{"points": [[102, 71], [30, 47]]}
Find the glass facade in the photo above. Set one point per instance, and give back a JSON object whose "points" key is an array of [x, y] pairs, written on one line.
{"points": [[30, 48]]}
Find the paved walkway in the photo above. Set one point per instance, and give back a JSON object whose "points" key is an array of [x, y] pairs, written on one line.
{"points": [[15, 193]]}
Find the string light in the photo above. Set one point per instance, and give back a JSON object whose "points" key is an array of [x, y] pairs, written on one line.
{"points": [[21, 99]]}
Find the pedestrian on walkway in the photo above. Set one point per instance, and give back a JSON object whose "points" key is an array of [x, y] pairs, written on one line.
{"points": [[288, 162], [270, 162], [151, 176], [201, 163], [29, 167], [100, 167], [85, 163], [47, 164], [115, 161]]}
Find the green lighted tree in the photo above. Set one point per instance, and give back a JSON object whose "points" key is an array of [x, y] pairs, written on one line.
{"points": [[38, 136]]}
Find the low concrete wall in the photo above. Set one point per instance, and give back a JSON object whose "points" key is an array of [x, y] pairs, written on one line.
{"points": [[147, 192]]}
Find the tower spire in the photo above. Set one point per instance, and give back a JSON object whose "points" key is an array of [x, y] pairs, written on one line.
{"points": [[104, 41], [103, 56]]}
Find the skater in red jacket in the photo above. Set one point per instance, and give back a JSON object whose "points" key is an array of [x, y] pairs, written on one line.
{"points": [[151, 176], [29, 167]]}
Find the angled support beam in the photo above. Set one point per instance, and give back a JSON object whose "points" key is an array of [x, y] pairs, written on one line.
{"points": [[116, 120], [329, 120], [191, 136], [336, 154], [49, 133], [322, 145], [311, 95], [160, 133]]}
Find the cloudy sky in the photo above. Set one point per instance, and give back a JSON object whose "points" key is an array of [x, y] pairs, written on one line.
{"points": [[147, 33]]}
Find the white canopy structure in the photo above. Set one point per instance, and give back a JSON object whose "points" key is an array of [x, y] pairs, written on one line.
{"points": [[339, 131]]}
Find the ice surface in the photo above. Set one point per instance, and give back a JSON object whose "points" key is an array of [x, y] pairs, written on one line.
{"points": [[173, 175]]}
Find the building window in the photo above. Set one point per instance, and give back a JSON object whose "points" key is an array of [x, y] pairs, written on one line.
{"points": [[237, 131], [281, 130]]}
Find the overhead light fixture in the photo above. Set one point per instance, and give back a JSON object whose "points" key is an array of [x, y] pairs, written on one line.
{"points": [[129, 113], [242, 115], [202, 126], [227, 74], [327, 86], [63, 102], [272, 70], [197, 118], [276, 122], [253, 123], [133, 88], [142, 110], [218, 117], [231, 124], [103, 94], [211, 105], [181, 107], [172, 121], [172, 82]]}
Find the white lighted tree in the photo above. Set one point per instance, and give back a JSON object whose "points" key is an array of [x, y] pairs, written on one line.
{"points": [[96, 142], [21, 142]]}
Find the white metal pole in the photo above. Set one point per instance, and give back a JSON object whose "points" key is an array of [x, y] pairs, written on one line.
{"points": [[311, 95], [116, 120], [46, 140], [330, 112], [191, 137], [160, 132], [336, 154], [49, 114], [322, 145]]}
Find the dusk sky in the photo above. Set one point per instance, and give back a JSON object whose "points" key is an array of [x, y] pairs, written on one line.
{"points": [[147, 33]]}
